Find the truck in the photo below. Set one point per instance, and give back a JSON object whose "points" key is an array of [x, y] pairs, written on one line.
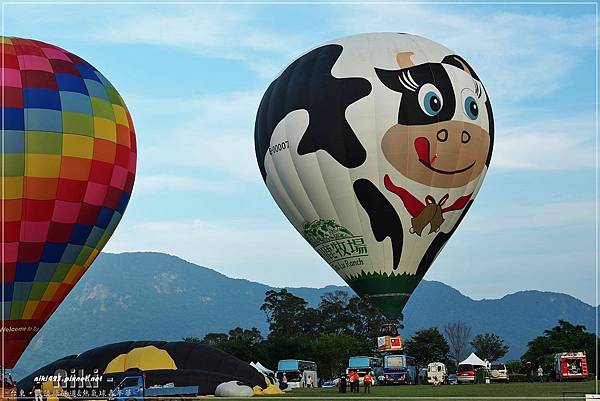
{"points": [[570, 366], [133, 388], [399, 369], [365, 364]]}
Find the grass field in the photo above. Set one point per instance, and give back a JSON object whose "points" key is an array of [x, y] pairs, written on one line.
{"points": [[513, 391]]}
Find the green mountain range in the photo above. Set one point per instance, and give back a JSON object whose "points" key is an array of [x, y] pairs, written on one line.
{"points": [[154, 296]]}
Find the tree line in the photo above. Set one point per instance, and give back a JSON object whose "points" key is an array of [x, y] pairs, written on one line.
{"points": [[342, 326]]}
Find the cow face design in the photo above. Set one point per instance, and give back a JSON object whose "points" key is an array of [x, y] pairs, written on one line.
{"points": [[374, 146], [441, 139]]}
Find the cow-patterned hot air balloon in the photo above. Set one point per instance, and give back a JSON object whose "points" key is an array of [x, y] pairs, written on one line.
{"points": [[69, 156], [374, 146]]}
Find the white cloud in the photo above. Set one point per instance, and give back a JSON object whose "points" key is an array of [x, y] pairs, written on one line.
{"points": [[216, 134], [547, 144], [227, 31], [221, 31], [516, 55]]}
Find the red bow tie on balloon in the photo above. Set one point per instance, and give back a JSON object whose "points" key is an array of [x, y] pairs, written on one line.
{"points": [[428, 213]]}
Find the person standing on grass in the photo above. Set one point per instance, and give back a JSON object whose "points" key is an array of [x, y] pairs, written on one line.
{"points": [[351, 380], [368, 380], [342, 383], [541, 374], [37, 390], [529, 372], [356, 382]]}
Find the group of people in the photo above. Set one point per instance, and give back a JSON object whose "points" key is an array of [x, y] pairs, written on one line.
{"points": [[353, 379], [540, 373]]}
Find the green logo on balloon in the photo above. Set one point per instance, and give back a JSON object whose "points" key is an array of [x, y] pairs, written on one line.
{"points": [[335, 243]]}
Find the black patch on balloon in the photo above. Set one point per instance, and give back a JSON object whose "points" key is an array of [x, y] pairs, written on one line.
{"points": [[437, 244], [308, 84], [488, 107], [410, 112], [461, 63], [384, 219]]}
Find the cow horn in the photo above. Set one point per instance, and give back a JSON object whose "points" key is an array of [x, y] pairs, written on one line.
{"points": [[403, 59]]}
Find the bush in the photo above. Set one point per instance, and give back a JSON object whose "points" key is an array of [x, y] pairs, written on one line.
{"points": [[514, 366], [517, 378]]}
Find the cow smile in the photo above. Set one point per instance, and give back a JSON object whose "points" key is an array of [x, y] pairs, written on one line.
{"points": [[437, 170], [424, 154]]}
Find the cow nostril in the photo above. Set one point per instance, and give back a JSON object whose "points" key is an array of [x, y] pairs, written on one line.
{"points": [[466, 137], [442, 135]]}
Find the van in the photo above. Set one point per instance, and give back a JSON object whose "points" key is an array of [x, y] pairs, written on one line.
{"points": [[465, 373], [498, 372], [436, 373]]}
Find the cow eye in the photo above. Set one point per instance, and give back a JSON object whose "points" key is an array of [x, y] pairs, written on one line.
{"points": [[430, 100], [471, 108]]}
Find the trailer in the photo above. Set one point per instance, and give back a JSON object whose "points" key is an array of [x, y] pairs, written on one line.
{"points": [[133, 388], [570, 366]]}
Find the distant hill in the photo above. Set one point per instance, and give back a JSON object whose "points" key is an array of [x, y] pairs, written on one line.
{"points": [[154, 296]]}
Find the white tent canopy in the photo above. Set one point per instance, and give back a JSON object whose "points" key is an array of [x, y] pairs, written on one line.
{"points": [[474, 360]]}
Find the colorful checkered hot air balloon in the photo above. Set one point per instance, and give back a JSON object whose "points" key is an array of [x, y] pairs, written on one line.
{"points": [[69, 155]]}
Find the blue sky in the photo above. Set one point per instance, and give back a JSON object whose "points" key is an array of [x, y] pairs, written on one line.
{"points": [[193, 75]]}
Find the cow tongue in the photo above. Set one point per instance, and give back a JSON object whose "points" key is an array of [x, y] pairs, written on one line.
{"points": [[422, 148]]}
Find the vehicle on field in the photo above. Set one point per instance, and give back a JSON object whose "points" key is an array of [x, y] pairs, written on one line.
{"points": [[297, 373], [465, 373], [436, 373], [399, 369], [498, 372], [452, 379], [330, 383], [365, 364], [133, 388], [570, 366]]}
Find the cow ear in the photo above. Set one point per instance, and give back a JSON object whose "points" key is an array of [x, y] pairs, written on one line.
{"points": [[459, 62], [390, 78]]}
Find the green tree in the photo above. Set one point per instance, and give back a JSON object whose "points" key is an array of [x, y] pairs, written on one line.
{"points": [[365, 319], [489, 346], [191, 340], [334, 310], [286, 313], [214, 339], [514, 366], [245, 344], [562, 338], [428, 345], [331, 352]]}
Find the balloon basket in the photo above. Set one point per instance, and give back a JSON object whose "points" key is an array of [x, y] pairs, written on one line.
{"points": [[389, 328]]}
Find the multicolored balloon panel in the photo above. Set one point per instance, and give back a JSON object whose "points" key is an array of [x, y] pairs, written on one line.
{"points": [[69, 157]]}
